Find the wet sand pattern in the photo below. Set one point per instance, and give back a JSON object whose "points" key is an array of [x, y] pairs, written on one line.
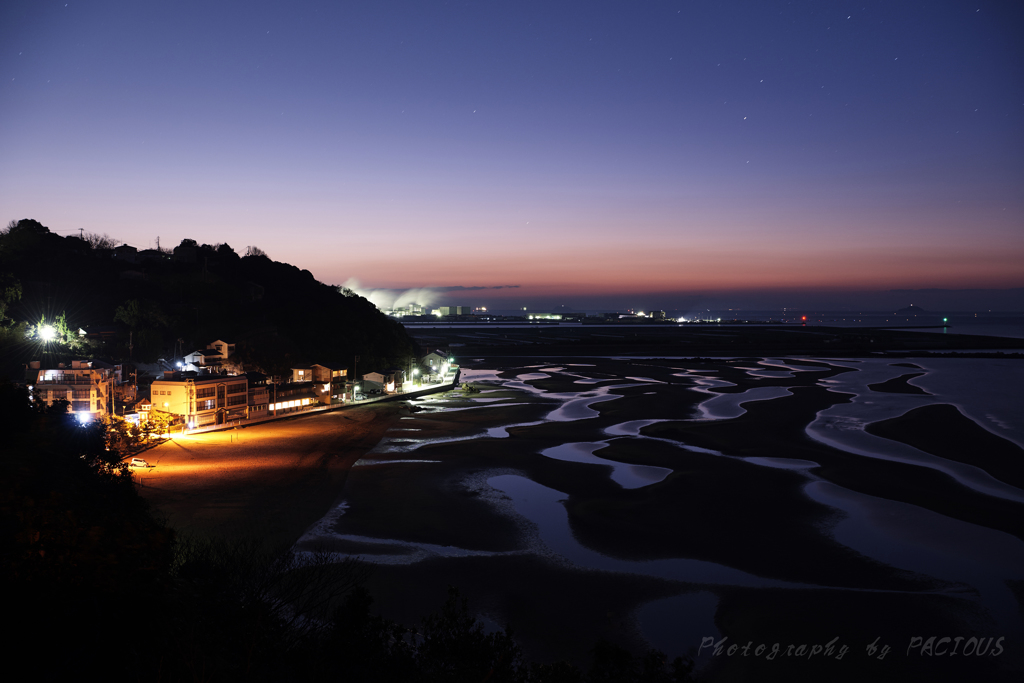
{"points": [[718, 477]]}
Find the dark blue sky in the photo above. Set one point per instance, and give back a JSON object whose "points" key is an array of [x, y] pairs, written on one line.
{"points": [[574, 149]]}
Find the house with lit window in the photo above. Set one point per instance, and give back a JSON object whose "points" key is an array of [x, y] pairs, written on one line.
{"points": [[302, 373], [87, 385], [292, 397], [378, 382], [337, 376], [436, 362], [125, 254], [329, 380], [201, 399]]}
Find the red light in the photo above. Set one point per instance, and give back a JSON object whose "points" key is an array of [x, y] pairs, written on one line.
{"points": [[803, 317]]}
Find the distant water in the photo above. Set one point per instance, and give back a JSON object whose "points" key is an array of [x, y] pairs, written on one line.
{"points": [[984, 324], [1009, 325]]}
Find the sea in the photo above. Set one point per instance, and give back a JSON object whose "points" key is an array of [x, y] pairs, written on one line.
{"points": [[998, 324]]}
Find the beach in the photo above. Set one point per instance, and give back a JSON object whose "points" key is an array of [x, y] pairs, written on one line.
{"points": [[654, 502], [268, 481]]}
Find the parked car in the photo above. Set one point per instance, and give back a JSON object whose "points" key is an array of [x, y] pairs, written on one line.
{"points": [[138, 462]]}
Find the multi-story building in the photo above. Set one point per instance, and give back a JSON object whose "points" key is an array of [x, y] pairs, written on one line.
{"points": [[201, 399], [329, 380], [259, 395], [294, 396], [88, 385], [336, 378]]}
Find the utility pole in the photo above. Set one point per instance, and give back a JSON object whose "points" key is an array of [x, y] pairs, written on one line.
{"points": [[355, 377], [190, 402]]}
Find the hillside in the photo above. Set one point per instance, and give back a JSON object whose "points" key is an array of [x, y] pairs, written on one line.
{"points": [[147, 305]]}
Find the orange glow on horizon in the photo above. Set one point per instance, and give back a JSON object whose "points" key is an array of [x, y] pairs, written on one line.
{"points": [[634, 270]]}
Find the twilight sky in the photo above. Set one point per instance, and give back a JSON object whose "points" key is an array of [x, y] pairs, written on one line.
{"points": [[624, 152]]}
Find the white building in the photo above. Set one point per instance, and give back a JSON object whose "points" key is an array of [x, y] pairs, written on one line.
{"points": [[87, 385], [216, 353], [379, 381]]}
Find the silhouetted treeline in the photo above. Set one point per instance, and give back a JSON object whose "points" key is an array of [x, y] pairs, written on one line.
{"points": [[149, 304]]}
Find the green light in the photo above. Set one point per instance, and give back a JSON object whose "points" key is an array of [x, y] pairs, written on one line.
{"points": [[945, 319]]}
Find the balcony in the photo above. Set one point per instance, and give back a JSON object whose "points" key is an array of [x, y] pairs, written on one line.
{"points": [[68, 380]]}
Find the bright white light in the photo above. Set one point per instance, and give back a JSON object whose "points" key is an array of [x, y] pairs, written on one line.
{"points": [[47, 333], [82, 417]]}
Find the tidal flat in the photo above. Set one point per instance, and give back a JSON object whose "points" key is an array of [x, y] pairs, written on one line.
{"points": [[661, 502], [664, 502]]}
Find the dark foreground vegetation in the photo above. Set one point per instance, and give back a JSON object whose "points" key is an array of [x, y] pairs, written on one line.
{"points": [[96, 587]]}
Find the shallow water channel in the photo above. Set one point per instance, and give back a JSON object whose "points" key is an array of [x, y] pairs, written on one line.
{"points": [[973, 561]]}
